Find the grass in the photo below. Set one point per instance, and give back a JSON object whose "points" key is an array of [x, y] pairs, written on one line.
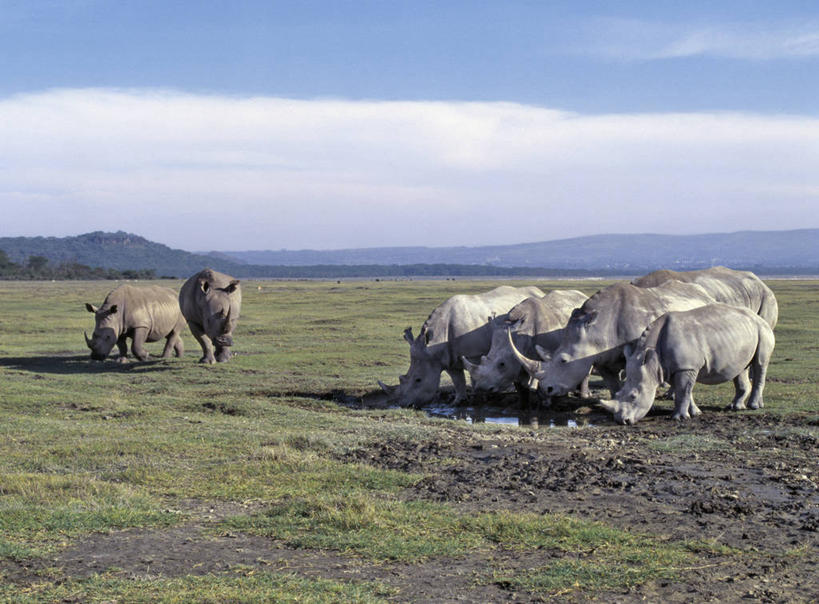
{"points": [[242, 585], [99, 447]]}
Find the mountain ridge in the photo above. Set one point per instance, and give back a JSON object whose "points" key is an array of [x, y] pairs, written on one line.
{"points": [[774, 252], [793, 248]]}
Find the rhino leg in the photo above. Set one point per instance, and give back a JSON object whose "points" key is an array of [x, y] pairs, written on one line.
{"points": [[759, 372], [523, 394], [223, 353], [173, 344], [742, 386], [583, 389], [122, 346], [683, 382], [138, 343], [204, 342], [459, 381]]}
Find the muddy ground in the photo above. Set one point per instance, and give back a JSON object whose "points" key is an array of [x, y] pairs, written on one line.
{"points": [[746, 480]]}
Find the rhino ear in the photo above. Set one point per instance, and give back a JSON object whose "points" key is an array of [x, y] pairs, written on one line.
{"points": [[91, 307], [113, 310], [204, 285], [543, 353], [408, 335], [232, 286]]}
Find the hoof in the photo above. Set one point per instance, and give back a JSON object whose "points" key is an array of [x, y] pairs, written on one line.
{"points": [[122, 359], [207, 360]]}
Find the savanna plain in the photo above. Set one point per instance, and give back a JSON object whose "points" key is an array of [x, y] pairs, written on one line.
{"points": [[273, 478]]}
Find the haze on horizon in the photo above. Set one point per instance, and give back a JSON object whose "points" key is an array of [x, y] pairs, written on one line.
{"points": [[326, 125]]}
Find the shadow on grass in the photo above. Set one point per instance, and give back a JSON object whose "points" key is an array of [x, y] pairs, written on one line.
{"points": [[78, 364]]}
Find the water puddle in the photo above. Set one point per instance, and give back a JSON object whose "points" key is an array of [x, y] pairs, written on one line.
{"points": [[514, 416], [510, 414]]}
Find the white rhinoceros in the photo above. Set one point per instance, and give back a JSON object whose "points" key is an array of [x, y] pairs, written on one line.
{"points": [[144, 314], [711, 344], [459, 327]]}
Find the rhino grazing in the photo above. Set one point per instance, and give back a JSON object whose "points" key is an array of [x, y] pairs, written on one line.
{"points": [[144, 314], [537, 321], [597, 332], [735, 288], [211, 302], [711, 344], [459, 327]]}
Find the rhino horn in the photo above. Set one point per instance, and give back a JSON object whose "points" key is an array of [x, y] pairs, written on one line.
{"points": [[609, 405], [385, 388], [531, 366], [87, 341], [469, 365]]}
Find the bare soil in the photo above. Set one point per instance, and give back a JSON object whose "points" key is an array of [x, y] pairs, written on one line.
{"points": [[745, 480]]}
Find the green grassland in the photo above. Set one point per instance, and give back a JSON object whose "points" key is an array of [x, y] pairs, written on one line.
{"points": [[98, 447]]}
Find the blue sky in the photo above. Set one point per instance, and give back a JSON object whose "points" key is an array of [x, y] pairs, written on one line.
{"points": [[340, 124]]}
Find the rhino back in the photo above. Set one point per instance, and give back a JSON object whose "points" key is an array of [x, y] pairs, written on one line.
{"points": [[728, 286], [623, 310], [718, 340], [461, 326], [153, 307]]}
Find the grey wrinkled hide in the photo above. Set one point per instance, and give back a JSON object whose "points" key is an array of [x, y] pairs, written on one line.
{"points": [[735, 288], [458, 327], [537, 321], [144, 314], [711, 344], [211, 303], [598, 330]]}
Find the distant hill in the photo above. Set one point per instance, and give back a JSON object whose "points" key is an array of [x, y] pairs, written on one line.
{"points": [[775, 250], [120, 250], [767, 252]]}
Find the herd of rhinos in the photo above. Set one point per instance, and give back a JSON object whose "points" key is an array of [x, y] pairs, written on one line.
{"points": [[668, 327]]}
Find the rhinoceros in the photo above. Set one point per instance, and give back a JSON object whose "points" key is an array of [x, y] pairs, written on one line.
{"points": [[537, 321], [144, 314], [458, 327], [711, 344], [598, 330], [735, 288], [211, 302]]}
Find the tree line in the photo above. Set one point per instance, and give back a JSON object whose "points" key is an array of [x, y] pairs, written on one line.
{"points": [[40, 268]]}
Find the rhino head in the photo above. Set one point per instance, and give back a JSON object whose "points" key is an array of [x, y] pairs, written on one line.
{"points": [[568, 366], [220, 311], [644, 374], [420, 384], [497, 369], [106, 330]]}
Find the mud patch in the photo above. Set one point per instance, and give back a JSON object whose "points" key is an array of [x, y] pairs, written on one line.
{"points": [[746, 481]]}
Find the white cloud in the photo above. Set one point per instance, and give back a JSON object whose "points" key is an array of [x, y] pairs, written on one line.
{"points": [[630, 40], [213, 172]]}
